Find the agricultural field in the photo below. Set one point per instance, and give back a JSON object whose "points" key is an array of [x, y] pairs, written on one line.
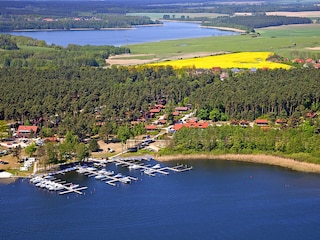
{"points": [[243, 60], [288, 41]]}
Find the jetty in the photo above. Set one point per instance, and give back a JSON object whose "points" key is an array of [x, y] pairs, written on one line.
{"points": [[52, 184], [104, 175], [148, 169]]}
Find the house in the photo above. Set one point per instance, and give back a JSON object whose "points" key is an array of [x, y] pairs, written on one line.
{"points": [[281, 121], [311, 115], [181, 109], [216, 69], [244, 123], [151, 127], [191, 124], [26, 131], [162, 121], [155, 110], [262, 122], [298, 60]]}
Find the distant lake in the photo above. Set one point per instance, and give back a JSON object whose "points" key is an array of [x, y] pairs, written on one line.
{"points": [[139, 34]]}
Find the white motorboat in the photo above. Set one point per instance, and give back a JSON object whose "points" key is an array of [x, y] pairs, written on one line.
{"points": [[100, 176]]}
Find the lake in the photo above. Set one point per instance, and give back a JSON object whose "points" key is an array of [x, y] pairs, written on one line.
{"points": [[215, 200], [140, 34]]}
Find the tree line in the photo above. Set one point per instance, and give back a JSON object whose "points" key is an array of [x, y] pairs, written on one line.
{"points": [[257, 21], [109, 21], [301, 143]]}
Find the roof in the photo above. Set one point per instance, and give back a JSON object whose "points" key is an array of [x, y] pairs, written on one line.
{"points": [[202, 125], [155, 110], [262, 121], [27, 129], [151, 127], [279, 120], [181, 109]]}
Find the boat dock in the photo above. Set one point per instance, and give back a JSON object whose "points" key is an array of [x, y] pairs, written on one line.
{"points": [[139, 164], [97, 168], [52, 184], [108, 176]]}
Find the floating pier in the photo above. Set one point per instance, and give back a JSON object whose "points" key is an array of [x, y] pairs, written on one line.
{"points": [[108, 176], [138, 164], [53, 184], [97, 170]]}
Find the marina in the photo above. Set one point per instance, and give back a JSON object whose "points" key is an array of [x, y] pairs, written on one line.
{"points": [[52, 184], [97, 169]]}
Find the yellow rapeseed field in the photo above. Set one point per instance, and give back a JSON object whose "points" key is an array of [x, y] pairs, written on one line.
{"points": [[233, 60]]}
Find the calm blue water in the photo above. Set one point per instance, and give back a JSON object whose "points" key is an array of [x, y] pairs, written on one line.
{"points": [[169, 31], [216, 200]]}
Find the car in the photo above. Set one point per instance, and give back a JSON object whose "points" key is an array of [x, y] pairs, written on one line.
{"points": [[110, 150]]}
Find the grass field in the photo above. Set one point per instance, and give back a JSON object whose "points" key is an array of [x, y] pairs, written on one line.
{"points": [[285, 41]]}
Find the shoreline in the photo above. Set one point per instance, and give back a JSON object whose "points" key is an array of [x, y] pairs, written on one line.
{"points": [[226, 29], [249, 158]]}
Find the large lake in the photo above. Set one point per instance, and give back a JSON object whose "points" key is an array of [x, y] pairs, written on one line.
{"points": [[167, 31], [215, 200]]}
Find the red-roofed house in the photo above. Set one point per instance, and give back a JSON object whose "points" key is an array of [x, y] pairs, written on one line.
{"points": [[181, 109], [151, 127], [262, 122], [26, 131], [281, 121], [192, 124], [155, 110], [162, 121], [311, 115]]}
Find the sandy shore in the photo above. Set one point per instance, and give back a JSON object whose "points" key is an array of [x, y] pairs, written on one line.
{"points": [[226, 29], [263, 159]]}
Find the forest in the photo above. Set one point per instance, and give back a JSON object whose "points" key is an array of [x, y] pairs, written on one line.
{"points": [[68, 98], [300, 143]]}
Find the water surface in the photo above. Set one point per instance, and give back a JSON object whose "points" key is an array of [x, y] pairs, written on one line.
{"points": [[216, 200], [142, 34]]}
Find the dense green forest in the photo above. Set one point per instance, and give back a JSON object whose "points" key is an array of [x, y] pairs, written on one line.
{"points": [[68, 97], [300, 143]]}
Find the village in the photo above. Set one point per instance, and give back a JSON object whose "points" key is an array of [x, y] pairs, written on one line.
{"points": [[158, 133]]}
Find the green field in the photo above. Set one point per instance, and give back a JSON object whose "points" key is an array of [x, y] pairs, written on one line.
{"points": [[285, 41]]}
